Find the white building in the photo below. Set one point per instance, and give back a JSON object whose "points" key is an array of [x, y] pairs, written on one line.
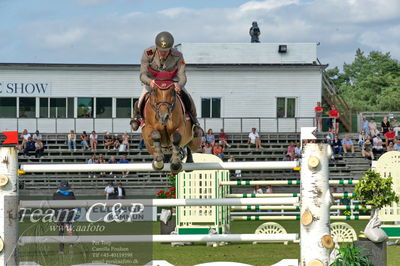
{"points": [[273, 87]]}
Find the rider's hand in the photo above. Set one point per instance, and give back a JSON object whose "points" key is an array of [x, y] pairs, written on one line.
{"points": [[153, 84], [177, 88]]}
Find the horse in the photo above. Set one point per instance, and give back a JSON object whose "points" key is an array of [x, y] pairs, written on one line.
{"points": [[167, 132]]}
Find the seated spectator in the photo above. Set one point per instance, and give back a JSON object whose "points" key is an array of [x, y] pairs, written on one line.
{"points": [[141, 143], [210, 138], [373, 128], [223, 139], [291, 151], [108, 141], [39, 148], [125, 141], [347, 145], [207, 149], [72, 140], [390, 147], [124, 159], [120, 191], [238, 172], [297, 151], [396, 127], [329, 137], [367, 149], [84, 141], [116, 142], [377, 147], [362, 137], [396, 146], [25, 137], [92, 160], [389, 136], [254, 138], [385, 125], [111, 161], [268, 189], [101, 160], [218, 151], [29, 146], [93, 141], [258, 190], [109, 191], [37, 135], [337, 146]]}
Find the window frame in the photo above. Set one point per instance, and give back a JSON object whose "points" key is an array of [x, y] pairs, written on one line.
{"points": [[295, 99], [210, 111]]}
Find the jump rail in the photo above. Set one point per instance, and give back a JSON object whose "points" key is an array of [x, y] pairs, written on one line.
{"points": [[147, 167], [153, 202], [280, 182], [290, 218], [335, 207], [282, 195]]}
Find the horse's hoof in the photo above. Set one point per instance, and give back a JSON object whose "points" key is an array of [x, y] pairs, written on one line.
{"points": [[176, 167], [157, 165]]}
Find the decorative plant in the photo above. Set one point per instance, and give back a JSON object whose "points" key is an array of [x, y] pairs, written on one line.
{"points": [[374, 190], [171, 192], [350, 255]]}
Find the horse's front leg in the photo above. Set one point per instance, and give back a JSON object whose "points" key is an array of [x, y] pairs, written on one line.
{"points": [[158, 156], [176, 162]]}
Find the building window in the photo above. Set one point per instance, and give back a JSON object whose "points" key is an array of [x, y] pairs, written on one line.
{"points": [[70, 107], [44, 107], [124, 108], [8, 107], [211, 107], [58, 108], [85, 107], [103, 107], [285, 107], [27, 107]]}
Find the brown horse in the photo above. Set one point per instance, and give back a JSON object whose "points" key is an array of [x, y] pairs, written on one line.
{"points": [[166, 130]]}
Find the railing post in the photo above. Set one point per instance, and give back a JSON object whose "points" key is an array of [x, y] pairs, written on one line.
{"points": [[241, 125], [8, 206]]}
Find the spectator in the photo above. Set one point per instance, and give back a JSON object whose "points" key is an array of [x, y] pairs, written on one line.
{"points": [[72, 140], [120, 191], [101, 160], [347, 145], [268, 189], [372, 128], [93, 141], [223, 139], [112, 161], [116, 142], [319, 110], [396, 146], [258, 190], [218, 151], [365, 126], [337, 146], [377, 145], [108, 141], [290, 153], [396, 127], [207, 149], [238, 172], [109, 191], [254, 138], [124, 160], [210, 138], [37, 135], [385, 125], [25, 137], [64, 217], [29, 146], [334, 119], [93, 160], [361, 138], [141, 143], [389, 136], [390, 147], [39, 148], [125, 141], [367, 149], [84, 141], [329, 137], [297, 151]]}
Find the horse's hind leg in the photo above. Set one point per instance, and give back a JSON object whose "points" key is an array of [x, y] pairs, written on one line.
{"points": [[158, 157], [176, 162]]}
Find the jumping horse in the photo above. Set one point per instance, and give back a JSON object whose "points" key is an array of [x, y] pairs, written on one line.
{"points": [[167, 132]]}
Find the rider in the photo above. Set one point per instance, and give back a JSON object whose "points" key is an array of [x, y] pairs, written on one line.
{"points": [[163, 58]]}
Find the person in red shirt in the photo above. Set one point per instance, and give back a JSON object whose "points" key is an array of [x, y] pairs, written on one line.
{"points": [[223, 139], [334, 117], [390, 136], [318, 116], [218, 151]]}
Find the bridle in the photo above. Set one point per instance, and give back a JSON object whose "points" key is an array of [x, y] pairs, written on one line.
{"points": [[163, 85]]}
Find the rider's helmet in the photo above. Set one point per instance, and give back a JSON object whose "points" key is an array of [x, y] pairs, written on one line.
{"points": [[164, 41]]}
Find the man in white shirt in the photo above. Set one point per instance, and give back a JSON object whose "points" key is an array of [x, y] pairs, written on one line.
{"points": [[37, 136], [377, 144], [109, 191], [254, 138]]}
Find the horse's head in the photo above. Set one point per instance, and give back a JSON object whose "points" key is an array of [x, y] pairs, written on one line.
{"points": [[164, 100]]}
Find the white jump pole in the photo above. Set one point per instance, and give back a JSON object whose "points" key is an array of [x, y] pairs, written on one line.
{"points": [[316, 199], [159, 238], [8, 206], [154, 202], [147, 167]]}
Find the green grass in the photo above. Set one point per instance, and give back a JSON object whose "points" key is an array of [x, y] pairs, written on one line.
{"points": [[260, 254]]}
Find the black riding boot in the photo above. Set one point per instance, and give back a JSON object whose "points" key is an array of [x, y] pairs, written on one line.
{"points": [[135, 122]]}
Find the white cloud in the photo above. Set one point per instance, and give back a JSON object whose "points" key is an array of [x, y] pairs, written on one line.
{"points": [[265, 5], [86, 3], [66, 38]]}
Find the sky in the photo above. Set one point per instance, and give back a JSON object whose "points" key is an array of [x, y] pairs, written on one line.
{"points": [[117, 31]]}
